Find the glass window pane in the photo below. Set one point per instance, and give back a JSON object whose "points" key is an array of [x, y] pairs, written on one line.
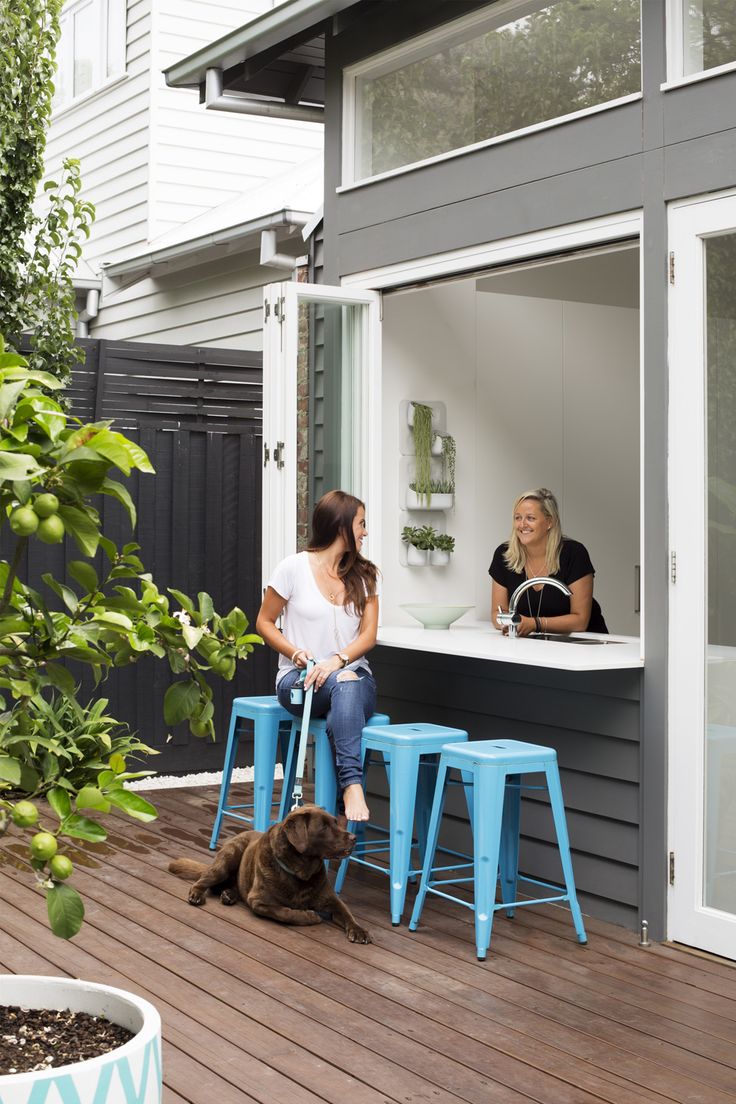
{"points": [[548, 62], [720, 749], [86, 44], [709, 34]]}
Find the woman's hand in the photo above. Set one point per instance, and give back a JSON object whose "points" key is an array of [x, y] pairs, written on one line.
{"points": [[527, 627], [322, 671]]}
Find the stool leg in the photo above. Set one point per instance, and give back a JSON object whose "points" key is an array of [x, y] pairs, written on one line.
{"points": [[325, 778], [358, 829], [563, 842], [433, 832], [287, 786], [266, 738], [509, 856], [426, 785], [489, 794], [402, 801], [227, 772]]}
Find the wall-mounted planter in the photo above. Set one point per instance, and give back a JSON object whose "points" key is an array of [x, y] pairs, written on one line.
{"points": [[132, 1072], [410, 414], [437, 444], [417, 557], [439, 558], [419, 502]]}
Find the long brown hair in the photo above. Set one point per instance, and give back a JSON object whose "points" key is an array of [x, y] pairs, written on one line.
{"points": [[332, 518], [515, 554]]}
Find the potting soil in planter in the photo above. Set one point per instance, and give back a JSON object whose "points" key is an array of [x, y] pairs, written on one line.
{"points": [[41, 1039]]}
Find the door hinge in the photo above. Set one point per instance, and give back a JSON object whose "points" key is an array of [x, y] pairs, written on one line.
{"points": [[672, 267], [266, 310], [672, 867], [266, 454], [673, 567], [278, 454], [278, 310]]}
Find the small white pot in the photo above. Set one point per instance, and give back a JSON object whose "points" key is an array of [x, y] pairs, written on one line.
{"points": [[130, 1073], [417, 557], [437, 501], [438, 557], [436, 449]]}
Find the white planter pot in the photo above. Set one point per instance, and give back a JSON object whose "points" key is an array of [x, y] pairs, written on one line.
{"points": [[417, 557], [436, 449], [437, 502], [439, 558], [130, 1073]]}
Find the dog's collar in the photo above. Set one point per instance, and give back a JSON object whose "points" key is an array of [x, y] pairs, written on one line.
{"points": [[285, 867]]}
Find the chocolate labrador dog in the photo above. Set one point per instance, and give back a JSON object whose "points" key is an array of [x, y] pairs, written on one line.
{"points": [[279, 873]]}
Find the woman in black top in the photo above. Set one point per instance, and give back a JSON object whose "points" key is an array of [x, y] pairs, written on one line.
{"points": [[537, 547]]}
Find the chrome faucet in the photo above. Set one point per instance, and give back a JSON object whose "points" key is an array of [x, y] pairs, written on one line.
{"points": [[512, 619]]}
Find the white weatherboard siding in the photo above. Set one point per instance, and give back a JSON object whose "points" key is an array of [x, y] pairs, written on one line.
{"points": [[108, 132], [201, 159], [218, 304]]}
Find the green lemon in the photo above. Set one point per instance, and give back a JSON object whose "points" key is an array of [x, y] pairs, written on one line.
{"points": [[24, 521], [45, 504], [199, 728], [24, 814], [51, 529], [60, 867], [44, 846]]}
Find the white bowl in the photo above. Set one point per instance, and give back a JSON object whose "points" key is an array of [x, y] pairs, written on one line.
{"points": [[435, 617]]}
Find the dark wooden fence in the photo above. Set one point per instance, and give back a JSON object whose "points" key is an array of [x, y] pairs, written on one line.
{"points": [[198, 414]]}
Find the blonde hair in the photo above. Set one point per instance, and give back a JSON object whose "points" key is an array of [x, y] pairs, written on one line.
{"points": [[515, 554]]}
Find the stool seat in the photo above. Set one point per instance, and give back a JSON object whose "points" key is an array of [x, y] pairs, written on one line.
{"points": [[406, 749], [492, 774]]}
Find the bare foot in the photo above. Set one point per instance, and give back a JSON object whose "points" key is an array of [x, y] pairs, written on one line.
{"points": [[355, 806]]}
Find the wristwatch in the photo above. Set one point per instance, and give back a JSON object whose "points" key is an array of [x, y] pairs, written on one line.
{"points": [[344, 657]]}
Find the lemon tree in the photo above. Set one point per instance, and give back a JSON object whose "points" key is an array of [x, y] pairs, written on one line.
{"points": [[72, 755]]}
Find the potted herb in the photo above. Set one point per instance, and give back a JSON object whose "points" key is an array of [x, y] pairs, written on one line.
{"points": [[438, 495], [419, 540], [443, 547], [423, 435]]}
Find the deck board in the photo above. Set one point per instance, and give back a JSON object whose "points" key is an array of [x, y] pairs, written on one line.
{"points": [[256, 1011]]}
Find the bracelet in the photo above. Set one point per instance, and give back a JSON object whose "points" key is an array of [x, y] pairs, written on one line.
{"points": [[297, 651], [539, 624]]}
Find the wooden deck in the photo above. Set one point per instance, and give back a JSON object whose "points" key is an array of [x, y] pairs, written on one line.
{"points": [[254, 1011]]}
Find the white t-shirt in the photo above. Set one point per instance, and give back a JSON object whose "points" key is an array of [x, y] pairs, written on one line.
{"points": [[309, 619]]}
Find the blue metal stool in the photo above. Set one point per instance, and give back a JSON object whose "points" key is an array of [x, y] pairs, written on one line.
{"points": [[404, 746], [267, 716], [494, 767], [325, 779]]}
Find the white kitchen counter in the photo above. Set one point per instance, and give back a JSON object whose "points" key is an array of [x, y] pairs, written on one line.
{"points": [[480, 640]]}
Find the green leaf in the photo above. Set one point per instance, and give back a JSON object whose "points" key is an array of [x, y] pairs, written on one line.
{"points": [[59, 801], [206, 606], [80, 827], [184, 601], [180, 701], [65, 909], [17, 465], [84, 574], [133, 804], [65, 593], [61, 678], [112, 617], [10, 770], [82, 528], [120, 492], [89, 797], [9, 392], [117, 763], [192, 635]]}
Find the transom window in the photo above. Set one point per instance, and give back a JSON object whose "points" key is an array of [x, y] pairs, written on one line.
{"points": [[702, 36], [512, 66], [91, 48]]}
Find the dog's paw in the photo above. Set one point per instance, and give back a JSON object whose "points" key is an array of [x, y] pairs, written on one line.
{"points": [[357, 934], [196, 897], [229, 897], [309, 916]]}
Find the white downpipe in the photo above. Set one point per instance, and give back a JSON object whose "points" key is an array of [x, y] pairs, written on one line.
{"points": [[90, 311], [270, 258], [216, 100]]}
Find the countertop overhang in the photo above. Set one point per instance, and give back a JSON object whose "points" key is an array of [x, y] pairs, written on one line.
{"points": [[479, 640]]}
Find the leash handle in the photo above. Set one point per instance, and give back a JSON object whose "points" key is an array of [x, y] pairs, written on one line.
{"points": [[297, 799]]}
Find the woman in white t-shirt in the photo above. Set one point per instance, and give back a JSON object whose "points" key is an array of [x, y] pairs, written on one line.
{"points": [[328, 596]]}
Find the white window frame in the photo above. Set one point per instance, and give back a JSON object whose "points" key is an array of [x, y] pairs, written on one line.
{"points": [[676, 52], [443, 36], [110, 58]]}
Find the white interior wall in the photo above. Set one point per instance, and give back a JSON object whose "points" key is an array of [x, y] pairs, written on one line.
{"points": [[538, 392]]}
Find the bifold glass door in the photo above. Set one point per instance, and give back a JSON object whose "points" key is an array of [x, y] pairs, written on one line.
{"points": [[321, 389], [703, 606]]}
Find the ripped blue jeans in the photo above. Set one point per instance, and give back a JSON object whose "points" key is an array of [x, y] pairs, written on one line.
{"points": [[347, 704]]}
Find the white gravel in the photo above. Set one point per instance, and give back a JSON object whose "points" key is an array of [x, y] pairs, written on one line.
{"points": [[206, 778]]}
